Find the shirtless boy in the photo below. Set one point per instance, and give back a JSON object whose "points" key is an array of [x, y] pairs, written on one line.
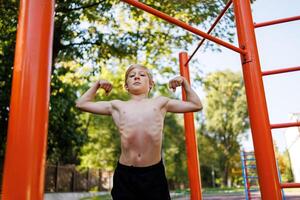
{"points": [[140, 173]]}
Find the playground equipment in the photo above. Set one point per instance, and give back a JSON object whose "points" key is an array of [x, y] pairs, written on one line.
{"points": [[27, 131], [249, 172]]}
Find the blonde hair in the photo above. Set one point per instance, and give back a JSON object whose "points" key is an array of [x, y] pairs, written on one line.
{"points": [[133, 66]]}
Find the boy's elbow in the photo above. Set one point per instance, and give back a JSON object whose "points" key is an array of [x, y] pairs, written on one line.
{"points": [[198, 107], [78, 104]]}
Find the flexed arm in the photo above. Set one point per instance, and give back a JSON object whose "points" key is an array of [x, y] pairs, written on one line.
{"points": [[85, 102], [193, 102]]}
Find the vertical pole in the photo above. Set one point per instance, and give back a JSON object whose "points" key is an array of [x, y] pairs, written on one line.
{"points": [[24, 165], [190, 138], [257, 106]]}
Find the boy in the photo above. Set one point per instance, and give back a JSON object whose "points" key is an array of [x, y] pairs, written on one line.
{"points": [[140, 173]]}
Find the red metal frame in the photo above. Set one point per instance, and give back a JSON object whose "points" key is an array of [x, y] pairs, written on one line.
{"points": [[290, 185], [190, 138], [27, 131], [24, 165], [285, 125], [182, 25], [257, 107], [280, 71], [278, 21], [210, 30]]}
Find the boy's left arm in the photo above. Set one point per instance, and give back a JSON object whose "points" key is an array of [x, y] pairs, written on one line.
{"points": [[192, 103]]}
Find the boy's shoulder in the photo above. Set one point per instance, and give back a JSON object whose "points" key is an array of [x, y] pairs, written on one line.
{"points": [[162, 99]]}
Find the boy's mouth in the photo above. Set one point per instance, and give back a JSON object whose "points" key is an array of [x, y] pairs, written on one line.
{"points": [[136, 83]]}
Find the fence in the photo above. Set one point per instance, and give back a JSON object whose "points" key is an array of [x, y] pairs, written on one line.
{"points": [[69, 179]]}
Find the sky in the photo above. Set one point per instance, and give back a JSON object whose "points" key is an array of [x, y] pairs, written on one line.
{"points": [[279, 47]]}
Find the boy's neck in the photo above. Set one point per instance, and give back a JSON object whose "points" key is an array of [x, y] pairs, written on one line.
{"points": [[138, 97]]}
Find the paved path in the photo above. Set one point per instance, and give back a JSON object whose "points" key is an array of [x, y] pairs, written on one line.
{"points": [[77, 196], [239, 197]]}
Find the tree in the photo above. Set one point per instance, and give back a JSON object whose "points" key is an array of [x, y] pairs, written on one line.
{"points": [[283, 164], [8, 24], [226, 117], [89, 34]]}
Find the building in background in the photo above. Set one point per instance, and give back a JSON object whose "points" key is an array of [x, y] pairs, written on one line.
{"points": [[292, 136]]}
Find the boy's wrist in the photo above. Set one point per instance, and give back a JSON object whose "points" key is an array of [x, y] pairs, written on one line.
{"points": [[98, 84]]}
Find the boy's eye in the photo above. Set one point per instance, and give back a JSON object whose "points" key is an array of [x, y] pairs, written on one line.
{"points": [[143, 75], [132, 75]]}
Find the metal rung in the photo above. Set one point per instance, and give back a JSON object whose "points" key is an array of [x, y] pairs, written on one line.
{"points": [[248, 159], [277, 21], [279, 71], [253, 190], [251, 166], [285, 125], [290, 185], [254, 177]]}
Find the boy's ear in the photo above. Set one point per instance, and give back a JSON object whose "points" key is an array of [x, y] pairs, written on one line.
{"points": [[126, 86], [151, 84]]}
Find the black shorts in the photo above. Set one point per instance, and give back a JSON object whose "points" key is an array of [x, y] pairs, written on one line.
{"points": [[140, 183]]}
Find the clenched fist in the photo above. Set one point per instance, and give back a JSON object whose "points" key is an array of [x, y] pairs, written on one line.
{"points": [[107, 86], [176, 82]]}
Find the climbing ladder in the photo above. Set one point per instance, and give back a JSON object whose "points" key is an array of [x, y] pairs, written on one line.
{"points": [[249, 172], [250, 177]]}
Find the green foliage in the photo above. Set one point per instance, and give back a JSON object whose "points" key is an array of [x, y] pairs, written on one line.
{"points": [[91, 34], [226, 120], [8, 23], [174, 152], [66, 133], [284, 164]]}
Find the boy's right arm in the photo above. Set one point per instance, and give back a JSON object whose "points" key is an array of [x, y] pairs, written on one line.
{"points": [[85, 102]]}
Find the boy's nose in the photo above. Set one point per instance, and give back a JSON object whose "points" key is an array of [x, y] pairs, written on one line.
{"points": [[136, 77]]}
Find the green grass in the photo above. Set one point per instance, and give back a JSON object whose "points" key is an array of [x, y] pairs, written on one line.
{"points": [[101, 197], [223, 190]]}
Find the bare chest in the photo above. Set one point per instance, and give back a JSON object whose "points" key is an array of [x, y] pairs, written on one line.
{"points": [[141, 116]]}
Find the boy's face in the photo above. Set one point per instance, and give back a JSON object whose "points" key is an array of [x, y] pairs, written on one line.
{"points": [[138, 81]]}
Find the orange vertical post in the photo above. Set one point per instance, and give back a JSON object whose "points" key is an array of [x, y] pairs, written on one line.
{"points": [[25, 154], [190, 138], [257, 107]]}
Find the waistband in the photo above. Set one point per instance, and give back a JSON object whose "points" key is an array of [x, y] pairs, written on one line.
{"points": [[159, 165]]}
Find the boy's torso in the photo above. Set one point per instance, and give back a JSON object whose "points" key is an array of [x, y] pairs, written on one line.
{"points": [[140, 125]]}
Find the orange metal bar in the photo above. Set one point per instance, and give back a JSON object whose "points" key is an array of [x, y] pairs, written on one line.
{"points": [[277, 21], [285, 125], [290, 185], [183, 25], [257, 107], [210, 30], [190, 138], [279, 71], [28, 120]]}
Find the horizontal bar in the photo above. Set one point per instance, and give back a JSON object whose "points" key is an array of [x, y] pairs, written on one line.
{"points": [[290, 185], [277, 21], [183, 25], [285, 125], [254, 177], [279, 71], [210, 30]]}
